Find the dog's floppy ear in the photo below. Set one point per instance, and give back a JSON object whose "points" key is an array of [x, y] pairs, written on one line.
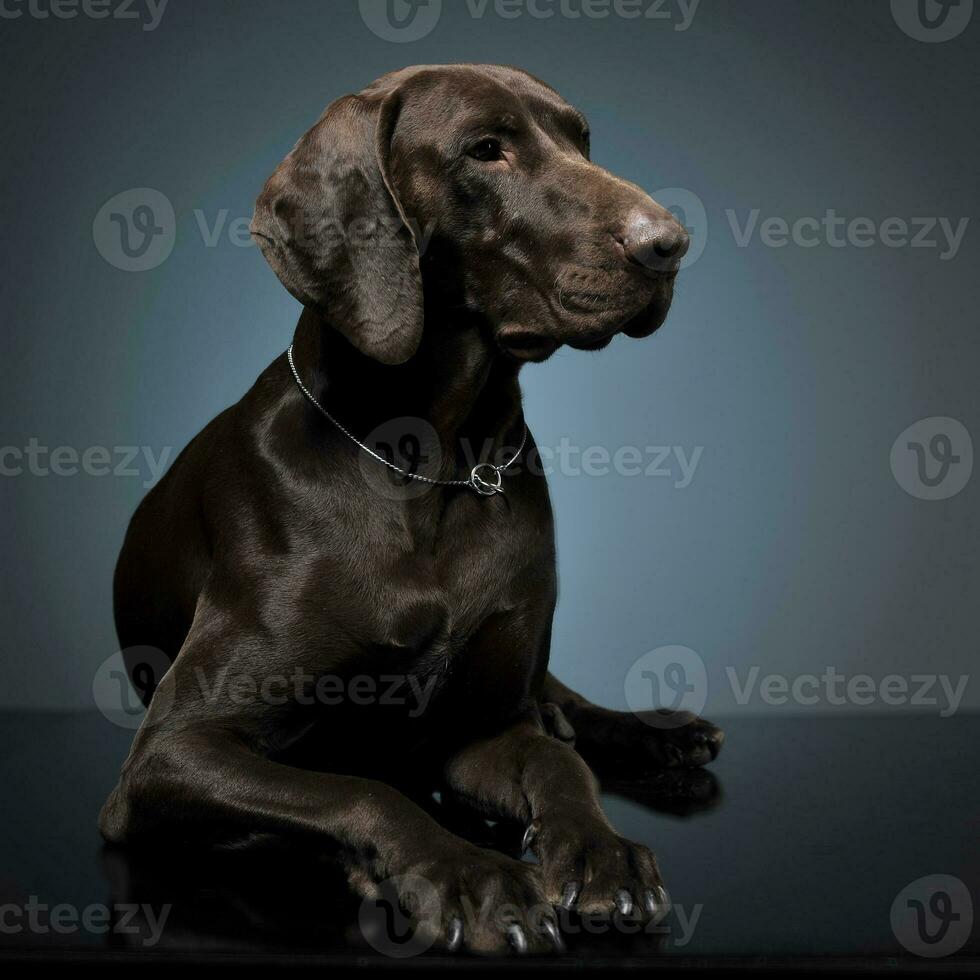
{"points": [[331, 227]]}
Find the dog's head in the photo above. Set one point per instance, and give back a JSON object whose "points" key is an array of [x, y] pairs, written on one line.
{"points": [[476, 181]]}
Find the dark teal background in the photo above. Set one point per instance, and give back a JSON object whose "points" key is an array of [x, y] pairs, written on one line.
{"points": [[795, 369]]}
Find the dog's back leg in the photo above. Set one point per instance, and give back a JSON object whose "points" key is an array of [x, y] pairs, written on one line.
{"points": [[162, 568], [627, 740]]}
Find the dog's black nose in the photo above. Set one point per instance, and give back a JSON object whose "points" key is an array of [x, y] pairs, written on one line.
{"points": [[654, 243]]}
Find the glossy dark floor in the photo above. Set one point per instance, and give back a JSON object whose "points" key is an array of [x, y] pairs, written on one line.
{"points": [[796, 844]]}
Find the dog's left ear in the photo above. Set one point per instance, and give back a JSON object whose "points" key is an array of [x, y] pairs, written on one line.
{"points": [[331, 227]]}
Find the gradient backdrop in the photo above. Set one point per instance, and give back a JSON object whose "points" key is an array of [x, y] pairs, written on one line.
{"points": [[786, 372]]}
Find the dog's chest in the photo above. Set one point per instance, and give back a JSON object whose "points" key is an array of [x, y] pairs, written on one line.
{"points": [[428, 637], [431, 604], [425, 607]]}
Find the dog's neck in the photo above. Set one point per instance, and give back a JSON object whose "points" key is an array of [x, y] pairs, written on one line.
{"points": [[458, 382]]}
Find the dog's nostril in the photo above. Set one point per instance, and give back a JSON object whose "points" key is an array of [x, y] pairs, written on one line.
{"points": [[668, 246], [650, 241]]}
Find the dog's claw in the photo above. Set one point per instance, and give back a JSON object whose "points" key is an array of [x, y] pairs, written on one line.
{"points": [[569, 895], [624, 901], [657, 900], [529, 835], [517, 939], [551, 928], [650, 902], [455, 937]]}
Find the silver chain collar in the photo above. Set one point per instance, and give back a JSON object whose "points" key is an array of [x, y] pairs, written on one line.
{"points": [[485, 478]]}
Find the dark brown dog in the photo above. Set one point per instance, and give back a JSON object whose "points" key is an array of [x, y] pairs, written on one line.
{"points": [[441, 228]]}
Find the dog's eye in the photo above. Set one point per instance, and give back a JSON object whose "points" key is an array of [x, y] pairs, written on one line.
{"points": [[487, 150]]}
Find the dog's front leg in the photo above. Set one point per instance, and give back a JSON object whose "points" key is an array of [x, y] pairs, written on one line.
{"points": [[524, 774], [201, 770]]}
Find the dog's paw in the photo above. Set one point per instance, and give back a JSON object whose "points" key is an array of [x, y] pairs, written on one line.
{"points": [[481, 901], [587, 867], [675, 739], [647, 740]]}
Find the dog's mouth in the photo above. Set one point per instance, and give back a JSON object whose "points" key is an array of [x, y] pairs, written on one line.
{"points": [[588, 322], [652, 316]]}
